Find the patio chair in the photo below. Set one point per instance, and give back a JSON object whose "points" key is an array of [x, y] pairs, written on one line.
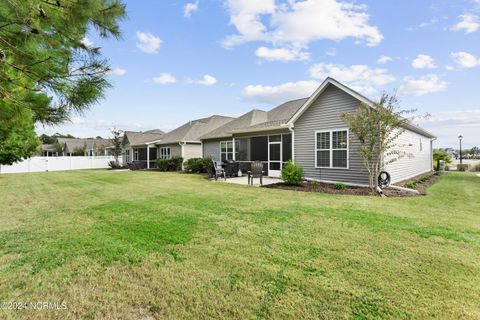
{"points": [[218, 171], [256, 172]]}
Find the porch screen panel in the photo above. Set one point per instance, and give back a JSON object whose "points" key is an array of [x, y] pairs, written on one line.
{"points": [[241, 150], [287, 147], [259, 149]]}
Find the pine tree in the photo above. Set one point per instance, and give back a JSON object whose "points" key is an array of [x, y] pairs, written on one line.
{"points": [[47, 71]]}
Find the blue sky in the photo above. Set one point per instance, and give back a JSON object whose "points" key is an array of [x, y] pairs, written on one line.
{"points": [[182, 60]]}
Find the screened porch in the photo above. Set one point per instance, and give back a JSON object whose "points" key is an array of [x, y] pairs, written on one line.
{"points": [[273, 150]]}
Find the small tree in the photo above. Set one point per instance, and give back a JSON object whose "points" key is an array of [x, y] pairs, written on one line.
{"points": [[117, 137], [377, 128], [441, 155]]}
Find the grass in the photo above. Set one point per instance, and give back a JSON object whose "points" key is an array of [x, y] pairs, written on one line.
{"points": [[131, 245]]}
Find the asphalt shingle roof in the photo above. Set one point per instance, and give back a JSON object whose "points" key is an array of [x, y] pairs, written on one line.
{"points": [[248, 119], [193, 130], [258, 119], [140, 138]]}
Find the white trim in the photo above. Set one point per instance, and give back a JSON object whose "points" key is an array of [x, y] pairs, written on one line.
{"points": [[233, 148], [148, 156], [277, 172], [331, 148], [353, 93], [273, 128], [226, 141], [167, 155], [320, 90], [293, 141]]}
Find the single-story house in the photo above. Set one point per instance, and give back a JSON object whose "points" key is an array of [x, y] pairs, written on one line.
{"points": [[50, 150], [312, 133], [140, 147], [184, 141], [85, 147]]}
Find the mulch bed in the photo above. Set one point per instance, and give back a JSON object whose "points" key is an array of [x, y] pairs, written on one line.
{"points": [[350, 190], [421, 182]]}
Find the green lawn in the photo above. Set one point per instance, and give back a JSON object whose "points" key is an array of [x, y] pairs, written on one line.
{"points": [[148, 245]]}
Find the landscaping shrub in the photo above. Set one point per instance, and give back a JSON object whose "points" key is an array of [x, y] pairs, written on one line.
{"points": [[114, 164], [175, 163], [463, 167], [162, 164], [411, 185], [172, 164], [340, 186], [292, 173], [197, 165], [476, 167]]}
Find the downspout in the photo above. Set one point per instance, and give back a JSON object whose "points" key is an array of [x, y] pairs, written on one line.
{"points": [[182, 152], [432, 168], [290, 127]]}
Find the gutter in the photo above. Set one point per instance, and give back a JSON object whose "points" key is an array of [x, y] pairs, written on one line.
{"points": [[283, 126]]}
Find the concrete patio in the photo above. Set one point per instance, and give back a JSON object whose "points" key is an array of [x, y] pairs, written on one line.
{"points": [[243, 180]]}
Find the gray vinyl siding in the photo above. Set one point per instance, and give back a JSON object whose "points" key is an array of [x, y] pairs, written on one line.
{"points": [[325, 114], [414, 159], [211, 148]]}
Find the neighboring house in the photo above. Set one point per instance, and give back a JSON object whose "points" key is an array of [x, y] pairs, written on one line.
{"points": [[140, 146], [50, 150], [85, 147], [184, 141], [312, 132]]}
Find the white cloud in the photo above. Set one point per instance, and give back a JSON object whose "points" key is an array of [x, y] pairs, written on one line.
{"points": [[148, 42], [423, 85], [207, 80], [423, 61], [297, 23], [447, 125], [468, 22], [118, 72], [384, 59], [359, 77], [189, 8], [281, 54], [449, 68], [87, 42], [164, 78], [465, 59], [280, 93]]}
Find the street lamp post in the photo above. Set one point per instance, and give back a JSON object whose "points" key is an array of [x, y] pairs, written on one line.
{"points": [[460, 137]]}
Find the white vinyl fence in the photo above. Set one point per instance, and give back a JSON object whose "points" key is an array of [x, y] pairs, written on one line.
{"points": [[42, 164]]}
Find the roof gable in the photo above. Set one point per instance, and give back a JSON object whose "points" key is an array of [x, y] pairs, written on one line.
{"points": [[328, 81]]}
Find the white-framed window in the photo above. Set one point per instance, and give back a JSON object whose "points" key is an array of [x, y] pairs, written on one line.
{"points": [[331, 149], [135, 154], [226, 150], [127, 155], [165, 153]]}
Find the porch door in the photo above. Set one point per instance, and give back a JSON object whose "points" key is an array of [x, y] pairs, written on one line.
{"points": [[274, 156]]}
